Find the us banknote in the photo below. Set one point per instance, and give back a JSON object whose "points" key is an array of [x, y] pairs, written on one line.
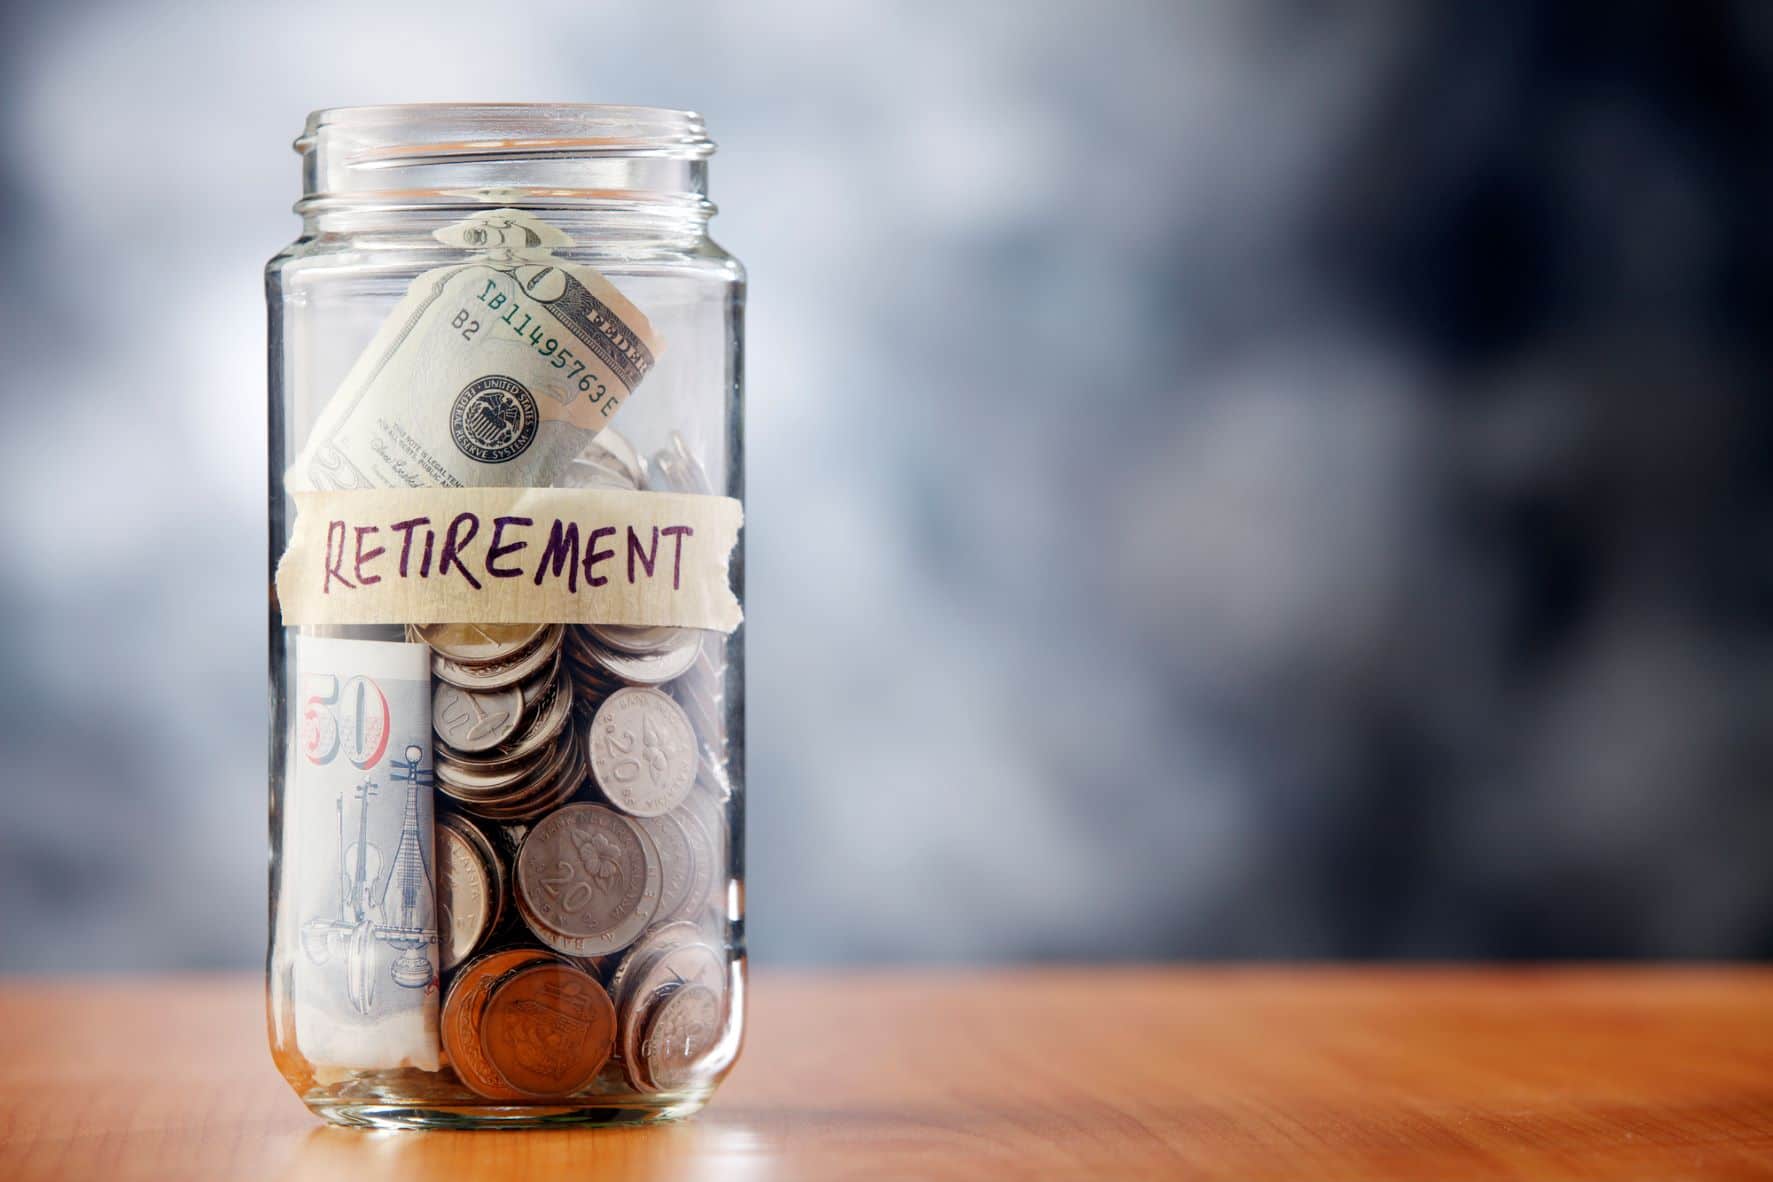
{"points": [[495, 371], [357, 871]]}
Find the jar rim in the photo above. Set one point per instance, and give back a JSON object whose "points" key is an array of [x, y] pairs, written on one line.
{"points": [[394, 131]]}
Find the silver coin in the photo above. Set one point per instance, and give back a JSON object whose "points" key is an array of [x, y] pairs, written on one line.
{"points": [[705, 809], [704, 715], [676, 469], [707, 865], [468, 890], [658, 938], [547, 791], [643, 752], [468, 783], [502, 781], [591, 681], [537, 687], [684, 1027], [492, 763], [648, 668], [470, 721], [609, 442], [584, 473], [548, 723], [631, 638], [503, 671], [587, 880], [692, 963], [677, 860], [474, 643]]}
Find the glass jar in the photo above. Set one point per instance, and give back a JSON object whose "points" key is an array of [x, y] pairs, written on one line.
{"points": [[507, 698]]}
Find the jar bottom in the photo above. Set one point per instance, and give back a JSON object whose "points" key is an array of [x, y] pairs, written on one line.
{"points": [[591, 1111]]}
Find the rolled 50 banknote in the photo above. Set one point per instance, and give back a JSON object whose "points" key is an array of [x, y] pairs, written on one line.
{"points": [[358, 860]]}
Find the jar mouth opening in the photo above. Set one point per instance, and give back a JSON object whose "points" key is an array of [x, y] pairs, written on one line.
{"points": [[410, 132], [649, 162]]}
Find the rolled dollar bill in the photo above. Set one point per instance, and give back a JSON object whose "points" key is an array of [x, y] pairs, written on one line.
{"points": [[357, 870], [496, 371]]}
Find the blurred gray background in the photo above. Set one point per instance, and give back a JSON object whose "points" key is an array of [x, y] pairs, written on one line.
{"points": [[1299, 473]]}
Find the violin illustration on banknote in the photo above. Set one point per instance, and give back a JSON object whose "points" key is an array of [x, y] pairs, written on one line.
{"points": [[367, 915]]}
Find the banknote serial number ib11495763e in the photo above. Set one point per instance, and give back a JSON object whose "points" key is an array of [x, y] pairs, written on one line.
{"points": [[468, 322]]}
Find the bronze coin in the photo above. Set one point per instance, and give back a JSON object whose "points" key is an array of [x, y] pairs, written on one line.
{"points": [[684, 1027], [587, 880], [548, 1029], [463, 1011]]}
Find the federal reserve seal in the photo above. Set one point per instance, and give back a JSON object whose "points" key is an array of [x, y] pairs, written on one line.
{"points": [[494, 419]]}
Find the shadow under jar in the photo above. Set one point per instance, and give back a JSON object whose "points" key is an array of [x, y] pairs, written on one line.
{"points": [[507, 736]]}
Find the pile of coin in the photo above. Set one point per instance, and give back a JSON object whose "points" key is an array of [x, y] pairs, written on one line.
{"points": [[502, 707], [581, 840], [622, 911], [580, 855]]}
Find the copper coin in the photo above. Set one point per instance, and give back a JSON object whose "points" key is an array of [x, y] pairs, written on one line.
{"points": [[460, 1021], [587, 880], [468, 894], [643, 752], [684, 1027], [548, 1029], [470, 721], [476, 643]]}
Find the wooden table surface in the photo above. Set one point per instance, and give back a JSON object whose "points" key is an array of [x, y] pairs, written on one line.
{"points": [[1308, 1073]]}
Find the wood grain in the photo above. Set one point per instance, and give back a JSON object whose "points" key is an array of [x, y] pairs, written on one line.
{"points": [[1073, 1073]]}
